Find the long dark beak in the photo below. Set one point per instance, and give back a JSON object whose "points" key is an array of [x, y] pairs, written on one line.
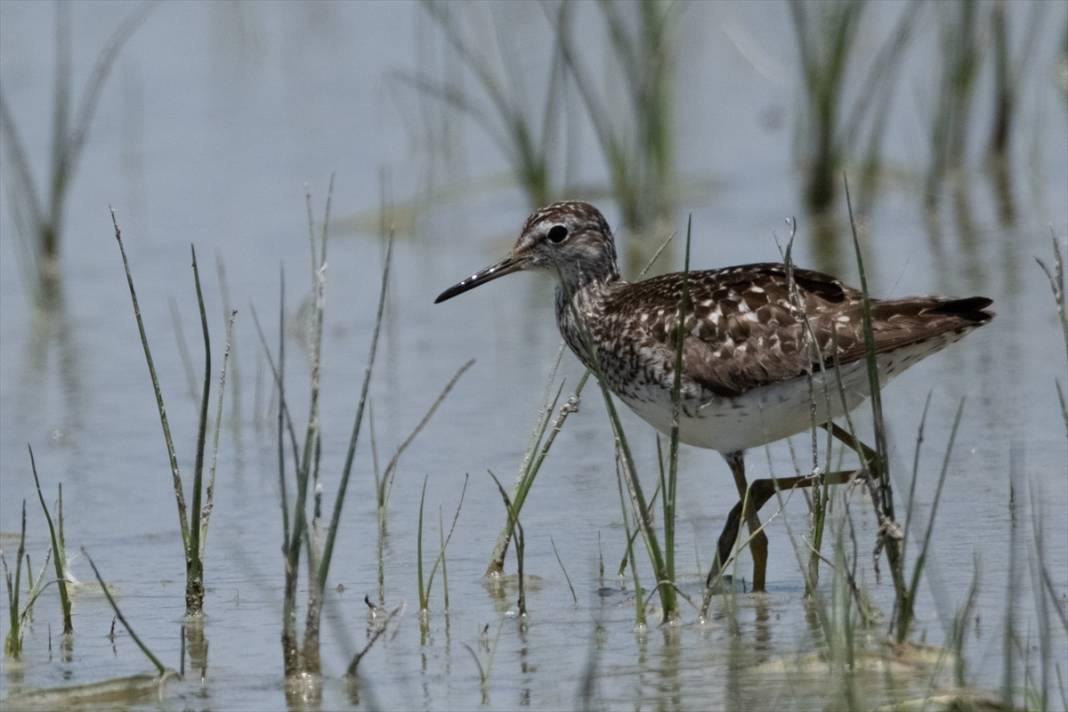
{"points": [[506, 266]]}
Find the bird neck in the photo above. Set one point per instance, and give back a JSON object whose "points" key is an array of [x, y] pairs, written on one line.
{"points": [[579, 303], [585, 278]]}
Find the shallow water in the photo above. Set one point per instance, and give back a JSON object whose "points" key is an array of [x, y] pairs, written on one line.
{"points": [[216, 117]]}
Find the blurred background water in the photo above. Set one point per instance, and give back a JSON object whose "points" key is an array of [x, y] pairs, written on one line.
{"points": [[216, 118]]}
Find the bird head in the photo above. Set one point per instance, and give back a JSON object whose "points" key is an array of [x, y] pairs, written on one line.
{"points": [[570, 238]]}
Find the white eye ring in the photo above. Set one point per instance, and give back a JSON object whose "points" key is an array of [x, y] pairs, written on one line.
{"points": [[557, 234]]}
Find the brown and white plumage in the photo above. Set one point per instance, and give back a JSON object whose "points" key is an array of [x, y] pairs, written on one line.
{"points": [[755, 337]]}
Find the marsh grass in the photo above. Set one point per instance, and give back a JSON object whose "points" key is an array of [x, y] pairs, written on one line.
{"points": [[59, 553], [183, 350], [1010, 69], [228, 312], [302, 532], [160, 668], [13, 639], [423, 603], [669, 484], [384, 483], [637, 141], [567, 578], [519, 538], [297, 531], [1058, 288], [875, 463], [39, 223], [19, 615], [192, 525], [541, 441], [443, 543], [485, 671], [384, 487], [830, 126], [523, 133], [961, 60], [376, 633], [905, 611], [628, 552]]}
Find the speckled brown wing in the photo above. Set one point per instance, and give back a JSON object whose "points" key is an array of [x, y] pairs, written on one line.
{"points": [[743, 331]]}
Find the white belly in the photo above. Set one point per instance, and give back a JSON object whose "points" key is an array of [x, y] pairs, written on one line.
{"points": [[776, 411]]}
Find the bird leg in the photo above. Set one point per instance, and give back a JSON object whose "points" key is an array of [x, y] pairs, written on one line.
{"points": [[757, 495], [759, 544], [867, 455]]}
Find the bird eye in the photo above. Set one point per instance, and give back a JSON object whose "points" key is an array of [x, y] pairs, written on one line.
{"points": [[557, 234]]}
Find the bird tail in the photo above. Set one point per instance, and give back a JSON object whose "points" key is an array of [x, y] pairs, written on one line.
{"points": [[972, 309]]}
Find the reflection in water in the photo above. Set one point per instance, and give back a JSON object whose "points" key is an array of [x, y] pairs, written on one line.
{"points": [[526, 670], [733, 691], [66, 654], [968, 247], [304, 692], [999, 171], [762, 627], [643, 664], [589, 693], [51, 332], [196, 646], [671, 657]]}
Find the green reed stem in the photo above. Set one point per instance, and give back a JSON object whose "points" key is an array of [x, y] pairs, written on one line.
{"points": [[350, 455], [172, 455], [567, 578], [386, 483], [424, 596], [122, 619], [60, 557], [194, 591], [676, 413], [906, 615], [915, 475], [13, 640], [520, 542], [628, 555], [209, 503], [877, 468], [444, 544]]}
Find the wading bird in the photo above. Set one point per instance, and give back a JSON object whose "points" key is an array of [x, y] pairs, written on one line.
{"points": [[758, 341]]}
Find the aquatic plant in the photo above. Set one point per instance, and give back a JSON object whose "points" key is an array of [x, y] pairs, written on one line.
{"points": [[830, 128], [637, 142], [961, 50], [40, 223], [443, 543], [193, 525], [523, 135], [301, 658], [59, 552]]}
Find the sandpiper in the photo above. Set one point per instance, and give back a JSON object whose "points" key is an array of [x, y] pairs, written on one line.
{"points": [[758, 341]]}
